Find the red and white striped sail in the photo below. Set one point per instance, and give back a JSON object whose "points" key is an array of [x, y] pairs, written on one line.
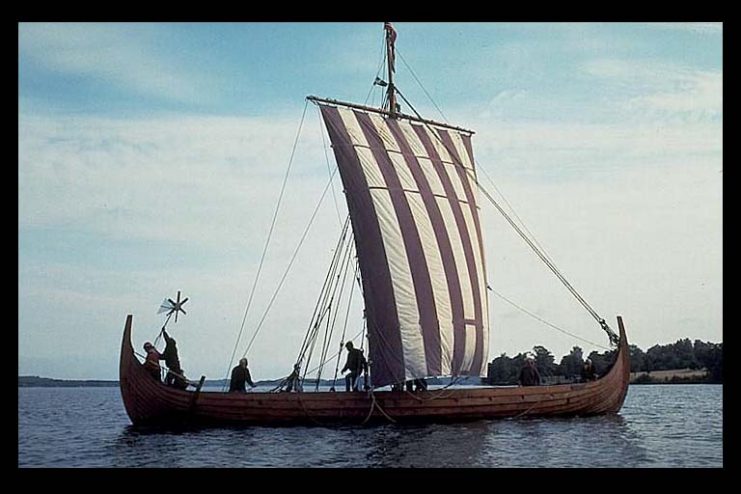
{"points": [[413, 207]]}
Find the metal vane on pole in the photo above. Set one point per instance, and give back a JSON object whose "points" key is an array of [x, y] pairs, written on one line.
{"points": [[172, 307]]}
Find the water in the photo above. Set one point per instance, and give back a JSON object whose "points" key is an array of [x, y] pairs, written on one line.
{"points": [[659, 426]]}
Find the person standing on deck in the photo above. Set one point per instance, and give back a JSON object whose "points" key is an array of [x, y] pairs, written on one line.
{"points": [[240, 377], [588, 373], [152, 362], [356, 364], [175, 375], [293, 382], [529, 375]]}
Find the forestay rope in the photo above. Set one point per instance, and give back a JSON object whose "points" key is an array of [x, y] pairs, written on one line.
{"points": [[329, 303], [538, 251], [267, 241], [290, 264]]}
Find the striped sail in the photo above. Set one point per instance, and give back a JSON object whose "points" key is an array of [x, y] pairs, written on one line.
{"points": [[414, 213]]}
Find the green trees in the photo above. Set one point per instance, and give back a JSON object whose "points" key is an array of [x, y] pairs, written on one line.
{"points": [[710, 356], [637, 358], [679, 355], [572, 363], [544, 361], [505, 370], [602, 361]]}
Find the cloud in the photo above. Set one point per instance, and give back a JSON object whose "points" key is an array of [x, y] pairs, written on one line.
{"points": [[704, 28], [644, 242], [631, 213], [178, 179], [629, 206], [119, 55], [662, 89], [115, 214], [558, 152], [701, 94], [64, 307]]}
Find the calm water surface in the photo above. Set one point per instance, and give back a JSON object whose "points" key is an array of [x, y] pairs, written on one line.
{"points": [[658, 426]]}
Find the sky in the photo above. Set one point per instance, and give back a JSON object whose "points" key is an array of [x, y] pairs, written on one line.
{"points": [[151, 158]]}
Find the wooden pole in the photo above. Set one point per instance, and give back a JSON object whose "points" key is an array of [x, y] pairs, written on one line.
{"points": [[196, 393], [390, 35]]}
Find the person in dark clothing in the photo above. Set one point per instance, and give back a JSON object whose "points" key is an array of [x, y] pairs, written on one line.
{"points": [[240, 377], [356, 364], [293, 382], [529, 375], [175, 375], [588, 372]]}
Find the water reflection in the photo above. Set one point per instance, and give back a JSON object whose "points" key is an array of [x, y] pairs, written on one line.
{"points": [[182, 446], [605, 441], [659, 426], [412, 446]]}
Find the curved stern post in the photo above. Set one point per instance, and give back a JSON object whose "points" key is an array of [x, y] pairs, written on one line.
{"points": [[124, 369], [623, 364]]}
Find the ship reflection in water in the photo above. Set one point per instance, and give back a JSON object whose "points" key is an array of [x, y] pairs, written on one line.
{"points": [[87, 427]]}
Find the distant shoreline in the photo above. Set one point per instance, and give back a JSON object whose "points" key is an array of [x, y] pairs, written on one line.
{"points": [[46, 382]]}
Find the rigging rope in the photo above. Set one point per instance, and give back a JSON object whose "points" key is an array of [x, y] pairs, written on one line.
{"points": [[340, 265], [535, 241], [380, 67], [420, 84], [320, 308], [424, 89], [328, 334], [319, 366], [267, 241], [319, 302], [538, 252], [329, 167], [290, 263], [543, 320], [414, 75], [344, 326], [159, 336], [374, 404]]}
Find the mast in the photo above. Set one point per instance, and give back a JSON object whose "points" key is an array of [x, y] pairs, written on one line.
{"points": [[391, 93], [409, 185]]}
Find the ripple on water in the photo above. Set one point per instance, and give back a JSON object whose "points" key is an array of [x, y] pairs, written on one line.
{"points": [[659, 426]]}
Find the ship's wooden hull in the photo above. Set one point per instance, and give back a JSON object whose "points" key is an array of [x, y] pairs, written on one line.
{"points": [[150, 402]]}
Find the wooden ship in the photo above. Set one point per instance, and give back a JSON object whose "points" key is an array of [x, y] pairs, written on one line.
{"points": [[413, 201]]}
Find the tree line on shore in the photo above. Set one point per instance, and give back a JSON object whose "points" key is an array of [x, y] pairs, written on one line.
{"points": [[684, 354]]}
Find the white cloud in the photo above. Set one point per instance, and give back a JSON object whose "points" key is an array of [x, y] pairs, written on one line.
{"points": [[565, 151], [180, 179], [67, 307], [118, 54], [631, 213], [630, 208], [693, 27], [660, 89], [701, 94], [203, 186], [645, 242]]}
